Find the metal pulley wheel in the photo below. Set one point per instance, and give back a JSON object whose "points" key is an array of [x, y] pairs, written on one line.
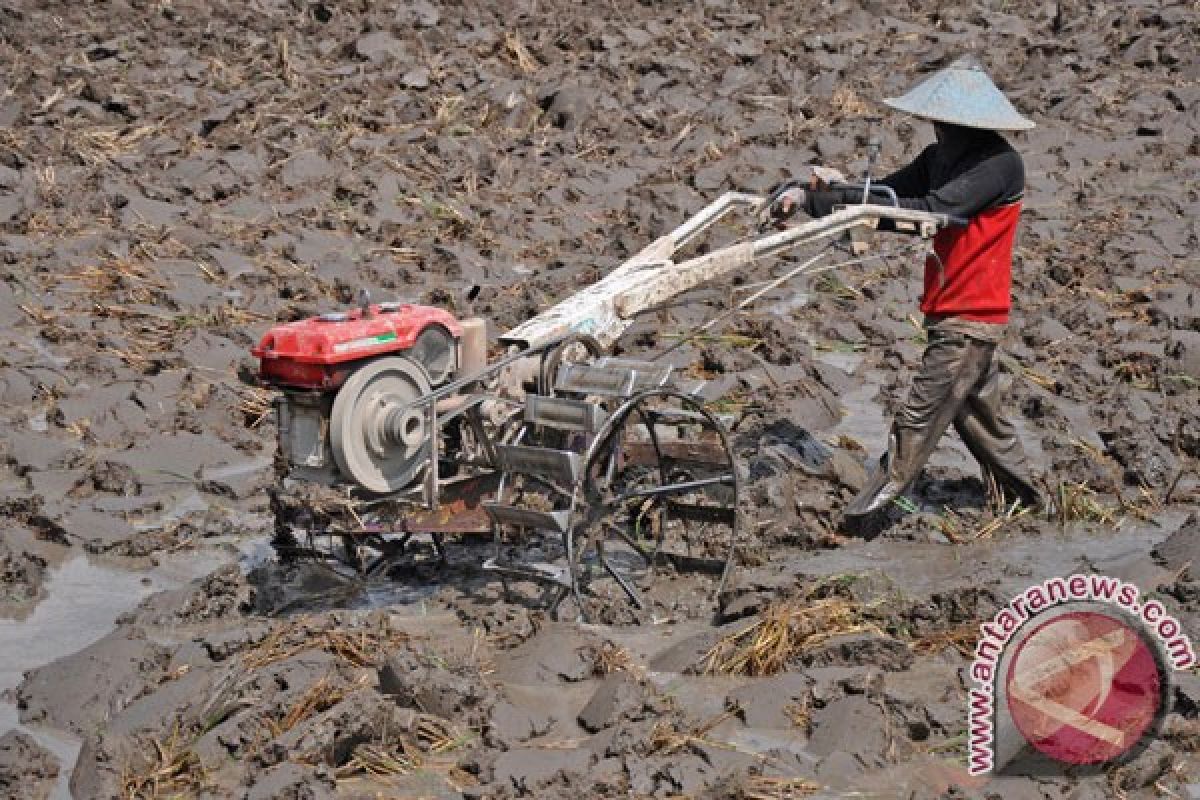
{"points": [[377, 436]]}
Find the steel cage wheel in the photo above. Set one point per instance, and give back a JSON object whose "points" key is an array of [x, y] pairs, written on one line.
{"points": [[662, 490]]}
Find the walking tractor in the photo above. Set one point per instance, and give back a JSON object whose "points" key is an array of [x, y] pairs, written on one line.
{"points": [[590, 473]]}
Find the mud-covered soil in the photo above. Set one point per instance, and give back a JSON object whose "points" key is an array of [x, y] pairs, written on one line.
{"points": [[175, 177], [27, 771]]}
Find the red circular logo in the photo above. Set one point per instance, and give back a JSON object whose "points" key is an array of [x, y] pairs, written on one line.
{"points": [[1084, 687]]}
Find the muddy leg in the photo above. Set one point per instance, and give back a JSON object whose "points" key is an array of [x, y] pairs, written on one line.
{"points": [[950, 367], [994, 443]]}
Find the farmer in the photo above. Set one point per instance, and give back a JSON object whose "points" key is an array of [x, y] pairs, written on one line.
{"points": [[971, 172]]}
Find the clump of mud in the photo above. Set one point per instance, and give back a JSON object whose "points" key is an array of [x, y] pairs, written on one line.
{"points": [[21, 575], [27, 770]]}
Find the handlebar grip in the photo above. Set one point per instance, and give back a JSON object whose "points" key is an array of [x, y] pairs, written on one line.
{"points": [[780, 189], [956, 222], [886, 191]]}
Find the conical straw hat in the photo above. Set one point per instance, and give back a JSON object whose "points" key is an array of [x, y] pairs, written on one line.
{"points": [[961, 94]]}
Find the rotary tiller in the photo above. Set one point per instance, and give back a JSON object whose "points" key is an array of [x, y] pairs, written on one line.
{"points": [[586, 471]]}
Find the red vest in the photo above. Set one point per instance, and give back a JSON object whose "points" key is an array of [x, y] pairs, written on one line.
{"points": [[971, 275]]}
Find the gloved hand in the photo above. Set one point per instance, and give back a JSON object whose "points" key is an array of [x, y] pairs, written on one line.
{"points": [[787, 203]]}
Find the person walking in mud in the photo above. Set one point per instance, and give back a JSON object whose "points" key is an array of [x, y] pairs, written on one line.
{"points": [[973, 173]]}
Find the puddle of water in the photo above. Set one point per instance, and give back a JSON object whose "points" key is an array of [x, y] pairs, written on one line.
{"points": [[187, 504], [236, 470], [862, 417], [393, 593], [791, 301], [1031, 441], [253, 551], [82, 601], [81, 604], [766, 740], [1017, 562], [309, 586], [847, 361]]}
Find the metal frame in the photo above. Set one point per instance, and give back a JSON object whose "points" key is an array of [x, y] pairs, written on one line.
{"points": [[606, 308]]}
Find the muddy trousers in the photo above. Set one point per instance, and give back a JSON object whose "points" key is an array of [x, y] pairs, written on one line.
{"points": [[957, 383]]}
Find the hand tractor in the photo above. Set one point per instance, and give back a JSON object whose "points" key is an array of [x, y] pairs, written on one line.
{"points": [[591, 474]]}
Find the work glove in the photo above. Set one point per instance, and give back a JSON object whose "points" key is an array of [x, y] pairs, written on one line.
{"points": [[787, 203], [789, 197]]}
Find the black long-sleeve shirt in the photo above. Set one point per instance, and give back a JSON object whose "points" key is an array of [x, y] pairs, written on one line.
{"points": [[969, 171]]}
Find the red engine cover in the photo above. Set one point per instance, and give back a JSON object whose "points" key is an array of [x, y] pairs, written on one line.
{"points": [[317, 353]]}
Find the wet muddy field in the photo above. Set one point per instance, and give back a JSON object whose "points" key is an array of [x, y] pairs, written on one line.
{"points": [[177, 176]]}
